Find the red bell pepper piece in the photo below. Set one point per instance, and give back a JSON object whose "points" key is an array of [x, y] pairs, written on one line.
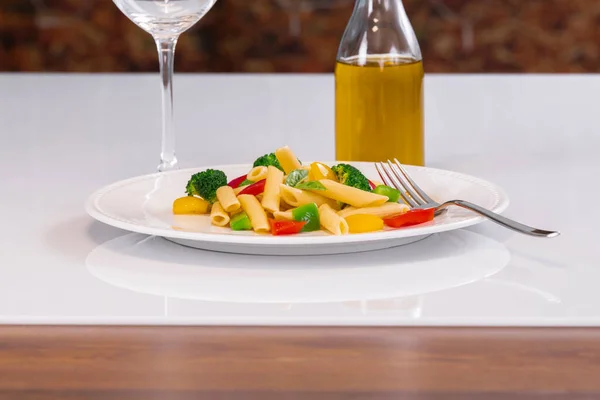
{"points": [[373, 186], [237, 181], [412, 217], [286, 227], [254, 189]]}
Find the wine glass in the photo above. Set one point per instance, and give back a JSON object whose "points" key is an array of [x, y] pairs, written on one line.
{"points": [[165, 20]]}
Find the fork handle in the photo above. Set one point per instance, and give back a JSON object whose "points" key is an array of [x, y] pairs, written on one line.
{"points": [[501, 220]]}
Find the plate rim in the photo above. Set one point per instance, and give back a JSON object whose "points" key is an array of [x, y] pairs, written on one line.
{"points": [[94, 211]]}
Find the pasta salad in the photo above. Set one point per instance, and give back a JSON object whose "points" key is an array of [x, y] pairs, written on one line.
{"points": [[281, 196]]}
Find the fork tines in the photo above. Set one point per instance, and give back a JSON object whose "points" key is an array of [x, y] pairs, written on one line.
{"points": [[394, 175]]}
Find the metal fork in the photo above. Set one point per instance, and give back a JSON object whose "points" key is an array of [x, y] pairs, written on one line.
{"points": [[394, 174]]}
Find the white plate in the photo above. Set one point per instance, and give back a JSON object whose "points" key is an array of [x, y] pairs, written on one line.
{"points": [[143, 205]]}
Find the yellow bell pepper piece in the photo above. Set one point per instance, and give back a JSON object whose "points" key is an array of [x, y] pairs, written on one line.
{"points": [[190, 205], [321, 171], [363, 223]]}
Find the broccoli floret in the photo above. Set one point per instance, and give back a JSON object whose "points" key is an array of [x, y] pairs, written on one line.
{"points": [[206, 183], [350, 176], [266, 160]]}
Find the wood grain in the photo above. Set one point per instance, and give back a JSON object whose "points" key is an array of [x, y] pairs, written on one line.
{"points": [[265, 363]]}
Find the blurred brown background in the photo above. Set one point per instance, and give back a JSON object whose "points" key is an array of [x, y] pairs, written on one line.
{"points": [[301, 36]]}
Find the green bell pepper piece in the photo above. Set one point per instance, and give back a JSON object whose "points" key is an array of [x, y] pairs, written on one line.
{"points": [[246, 182], [240, 222], [310, 214], [392, 194], [295, 177]]}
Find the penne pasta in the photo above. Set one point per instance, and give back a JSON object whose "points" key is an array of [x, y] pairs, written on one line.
{"points": [[231, 215], [296, 198], [287, 159], [257, 215], [332, 222], [227, 198], [382, 211], [283, 215], [257, 174], [350, 195], [286, 200], [272, 194], [218, 216], [283, 206]]}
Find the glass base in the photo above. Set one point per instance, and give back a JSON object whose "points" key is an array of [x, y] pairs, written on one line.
{"points": [[168, 165]]}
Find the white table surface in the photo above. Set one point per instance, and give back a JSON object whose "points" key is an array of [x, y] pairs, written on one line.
{"points": [[65, 136]]}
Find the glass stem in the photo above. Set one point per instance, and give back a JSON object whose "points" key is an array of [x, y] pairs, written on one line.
{"points": [[166, 55]]}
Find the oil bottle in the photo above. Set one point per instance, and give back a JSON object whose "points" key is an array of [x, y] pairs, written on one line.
{"points": [[379, 86]]}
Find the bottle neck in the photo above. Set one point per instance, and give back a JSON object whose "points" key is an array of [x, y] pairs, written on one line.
{"points": [[382, 4], [383, 11], [379, 28]]}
